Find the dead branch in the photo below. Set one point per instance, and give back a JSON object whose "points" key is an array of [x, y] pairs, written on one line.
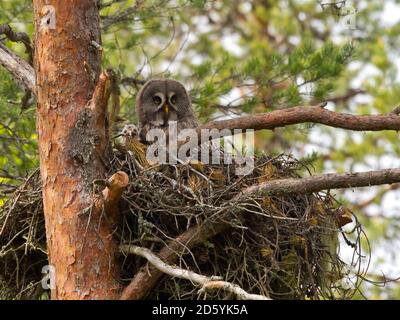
{"points": [[115, 103], [22, 72], [240, 293], [148, 276], [206, 283], [111, 195], [101, 95], [304, 114], [116, 185], [326, 182], [99, 106]]}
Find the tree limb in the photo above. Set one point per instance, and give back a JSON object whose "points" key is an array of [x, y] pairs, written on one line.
{"points": [[326, 182], [303, 114], [22, 72], [205, 282]]}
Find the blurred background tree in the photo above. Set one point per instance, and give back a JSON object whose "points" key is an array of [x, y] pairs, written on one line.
{"points": [[253, 56]]}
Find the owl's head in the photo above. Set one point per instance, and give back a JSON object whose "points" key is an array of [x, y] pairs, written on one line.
{"points": [[162, 100]]}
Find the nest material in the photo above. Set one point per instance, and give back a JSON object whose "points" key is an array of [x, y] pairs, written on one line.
{"points": [[284, 247]]}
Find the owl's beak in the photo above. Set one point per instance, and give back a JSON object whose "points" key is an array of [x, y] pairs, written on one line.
{"points": [[166, 108]]}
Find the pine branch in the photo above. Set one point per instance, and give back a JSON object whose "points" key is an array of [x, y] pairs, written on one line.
{"points": [[326, 182], [307, 114]]}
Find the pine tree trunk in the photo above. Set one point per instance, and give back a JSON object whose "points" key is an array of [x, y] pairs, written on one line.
{"points": [[73, 141]]}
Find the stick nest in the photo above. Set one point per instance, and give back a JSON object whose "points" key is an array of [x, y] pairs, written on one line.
{"points": [[284, 247]]}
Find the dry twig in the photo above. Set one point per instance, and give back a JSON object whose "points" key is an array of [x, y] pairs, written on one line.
{"points": [[206, 283]]}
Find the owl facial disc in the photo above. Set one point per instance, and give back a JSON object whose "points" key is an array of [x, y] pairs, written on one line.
{"points": [[161, 102]]}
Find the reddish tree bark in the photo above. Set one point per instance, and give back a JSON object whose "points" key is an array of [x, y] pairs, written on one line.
{"points": [[73, 143]]}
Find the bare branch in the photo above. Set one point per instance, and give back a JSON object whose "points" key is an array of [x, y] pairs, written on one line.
{"points": [[148, 276], [22, 72], [326, 182], [112, 194], [205, 282], [311, 114], [101, 95]]}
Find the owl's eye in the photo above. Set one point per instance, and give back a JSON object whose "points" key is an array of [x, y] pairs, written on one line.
{"points": [[173, 99], [157, 100]]}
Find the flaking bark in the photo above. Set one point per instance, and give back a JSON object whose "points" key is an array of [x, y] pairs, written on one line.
{"points": [[73, 146]]}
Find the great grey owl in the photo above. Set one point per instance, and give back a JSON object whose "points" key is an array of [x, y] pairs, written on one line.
{"points": [[160, 101]]}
